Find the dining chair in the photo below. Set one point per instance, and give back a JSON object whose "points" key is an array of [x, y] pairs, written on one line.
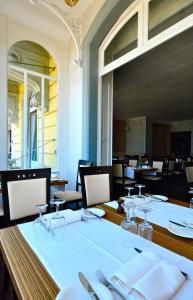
{"points": [[189, 178], [74, 197], [96, 185], [21, 191], [169, 169], [133, 163], [119, 179], [154, 180]]}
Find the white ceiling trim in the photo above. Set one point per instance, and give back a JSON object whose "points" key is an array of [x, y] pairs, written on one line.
{"points": [[73, 25]]}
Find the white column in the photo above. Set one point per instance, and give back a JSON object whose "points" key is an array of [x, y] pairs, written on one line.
{"points": [[42, 125], [3, 91]]}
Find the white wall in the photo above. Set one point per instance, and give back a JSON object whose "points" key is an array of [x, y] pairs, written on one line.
{"points": [[69, 93], [74, 115], [136, 135], [186, 125]]}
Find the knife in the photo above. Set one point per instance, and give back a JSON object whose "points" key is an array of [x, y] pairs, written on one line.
{"points": [[91, 213], [183, 273], [182, 225], [87, 286]]}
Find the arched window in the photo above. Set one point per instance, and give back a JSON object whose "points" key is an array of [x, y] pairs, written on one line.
{"points": [[144, 25], [32, 107]]}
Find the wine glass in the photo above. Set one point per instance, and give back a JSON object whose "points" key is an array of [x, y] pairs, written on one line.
{"points": [[129, 222], [145, 229], [140, 186], [57, 202], [41, 219], [129, 188]]}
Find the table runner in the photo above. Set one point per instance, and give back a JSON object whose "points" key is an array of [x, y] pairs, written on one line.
{"points": [[95, 244], [162, 212]]}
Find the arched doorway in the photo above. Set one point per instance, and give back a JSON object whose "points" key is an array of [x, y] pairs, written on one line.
{"points": [[32, 106]]}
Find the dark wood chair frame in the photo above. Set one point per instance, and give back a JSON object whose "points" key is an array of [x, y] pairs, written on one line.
{"points": [[24, 174], [94, 171], [81, 162]]}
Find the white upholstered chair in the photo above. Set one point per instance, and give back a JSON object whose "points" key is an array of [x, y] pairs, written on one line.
{"points": [[74, 196], [22, 190], [96, 185], [133, 163], [157, 176]]}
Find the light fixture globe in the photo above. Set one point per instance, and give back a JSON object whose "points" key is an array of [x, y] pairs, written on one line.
{"points": [[71, 2]]}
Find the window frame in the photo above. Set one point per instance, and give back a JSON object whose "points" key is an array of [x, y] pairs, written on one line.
{"points": [[26, 156]]}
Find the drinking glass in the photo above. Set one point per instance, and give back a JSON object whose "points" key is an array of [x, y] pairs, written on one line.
{"points": [[145, 229], [129, 188], [129, 222], [191, 203], [57, 202], [140, 186], [41, 219]]}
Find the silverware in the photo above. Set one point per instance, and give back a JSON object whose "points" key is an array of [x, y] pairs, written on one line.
{"points": [[182, 225], [154, 198], [102, 279], [87, 286], [183, 273], [91, 213]]}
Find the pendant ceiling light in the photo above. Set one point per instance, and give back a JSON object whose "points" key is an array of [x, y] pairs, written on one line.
{"points": [[71, 2]]}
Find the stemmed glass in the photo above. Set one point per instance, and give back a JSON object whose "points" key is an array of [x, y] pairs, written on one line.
{"points": [[129, 222], [57, 202], [145, 229], [140, 186], [41, 219], [129, 188]]}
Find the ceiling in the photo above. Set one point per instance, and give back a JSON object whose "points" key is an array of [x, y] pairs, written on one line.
{"points": [[158, 84], [41, 18]]}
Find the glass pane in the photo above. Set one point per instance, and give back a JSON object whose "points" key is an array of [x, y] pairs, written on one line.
{"points": [[15, 118], [164, 13], [34, 144], [50, 124], [125, 41]]}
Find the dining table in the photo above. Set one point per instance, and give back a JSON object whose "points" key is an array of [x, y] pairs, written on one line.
{"points": [[133, 172], [40, 268]]}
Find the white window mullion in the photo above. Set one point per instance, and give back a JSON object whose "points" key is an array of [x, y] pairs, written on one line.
{"points": [[42, 129], [145, 21], [25, 125]]}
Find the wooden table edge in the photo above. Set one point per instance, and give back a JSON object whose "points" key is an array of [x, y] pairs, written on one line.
{"points": [[42, 285]]}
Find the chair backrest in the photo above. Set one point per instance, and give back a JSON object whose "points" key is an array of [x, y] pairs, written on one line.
{"points": [[171, 165], [96, 185], [81, 163], [133, 162], [158, 165], [189, 174], [22, 190], [118, 169]]}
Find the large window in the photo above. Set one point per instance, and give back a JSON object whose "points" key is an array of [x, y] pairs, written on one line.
{"points": [[32, 109]]}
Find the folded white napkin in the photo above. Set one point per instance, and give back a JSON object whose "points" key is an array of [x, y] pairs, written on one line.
{"points": [[149, 278], [137, 201], [70, 216]]}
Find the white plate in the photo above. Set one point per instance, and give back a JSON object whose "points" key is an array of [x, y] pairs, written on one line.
{"points": [[180, 231], [97, 211], [75, 291], [162, 198]]}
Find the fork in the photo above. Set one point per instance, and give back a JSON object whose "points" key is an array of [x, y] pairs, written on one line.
{"points": [[102, 279]]}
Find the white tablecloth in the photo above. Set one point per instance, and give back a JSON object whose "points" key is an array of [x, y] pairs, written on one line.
{"points": [[95, 244], [162, 212]]}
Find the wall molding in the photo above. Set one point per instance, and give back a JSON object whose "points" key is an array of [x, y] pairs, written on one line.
{"points": [[73, 25]]}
